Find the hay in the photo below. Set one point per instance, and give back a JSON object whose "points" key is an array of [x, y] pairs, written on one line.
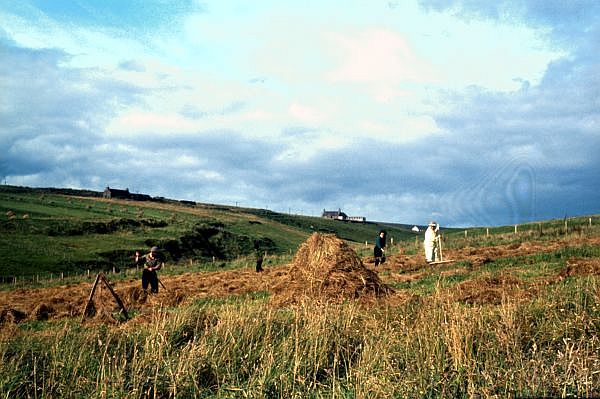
{"points": [[11, 316], [42, 311], [581, 267], [325, 268]]}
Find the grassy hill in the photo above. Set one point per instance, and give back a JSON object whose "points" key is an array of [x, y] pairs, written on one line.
{"points": [[50, 230]]}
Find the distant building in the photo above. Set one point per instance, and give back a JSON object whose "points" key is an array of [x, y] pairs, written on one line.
{"points": [[140, 197], [110, 193], [337, 215], [415, 229], [116, 193], [360, 219]]}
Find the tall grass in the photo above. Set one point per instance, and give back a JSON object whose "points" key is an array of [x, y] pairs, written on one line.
{"points": [[242, 347]]}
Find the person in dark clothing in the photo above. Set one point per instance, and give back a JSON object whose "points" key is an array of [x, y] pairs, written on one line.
{"points": [[152, 262], [260, 256], [259, 261], [379, 249]]}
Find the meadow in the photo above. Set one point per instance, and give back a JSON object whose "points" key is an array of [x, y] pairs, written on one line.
{"points": [[516, 314]]}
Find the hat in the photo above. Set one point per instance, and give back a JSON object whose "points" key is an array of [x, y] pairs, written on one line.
{"points": [[154, 249], [433, 223]]}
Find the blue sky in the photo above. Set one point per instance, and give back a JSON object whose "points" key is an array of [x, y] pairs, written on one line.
{"points": [[471, 113]]}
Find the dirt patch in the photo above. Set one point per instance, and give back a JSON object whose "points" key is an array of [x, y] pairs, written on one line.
{"points": [[581, 267], [326, 268], [488, 290]]}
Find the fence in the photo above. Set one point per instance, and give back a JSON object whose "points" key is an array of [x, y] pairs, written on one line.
{"points": [[556, 229], [43, 279]]}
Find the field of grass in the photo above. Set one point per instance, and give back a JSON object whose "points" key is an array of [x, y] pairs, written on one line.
{"points": [[516, 315], [46, 233], [241, 347]]}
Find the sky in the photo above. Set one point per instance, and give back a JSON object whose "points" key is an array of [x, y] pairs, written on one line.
{"points": [[470, 113]]}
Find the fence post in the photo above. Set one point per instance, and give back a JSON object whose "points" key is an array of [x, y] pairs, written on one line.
{"points": [[566, 226], [465, 233], [515, 229], [487, 232], [590, 221]]}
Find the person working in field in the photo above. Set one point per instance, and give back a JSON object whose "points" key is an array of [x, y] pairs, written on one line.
{"points": [[152, 262], [379, 249], [432, 251]]}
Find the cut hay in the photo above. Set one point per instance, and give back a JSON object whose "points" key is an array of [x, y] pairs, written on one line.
{"points": [[326, 268], [11, 316], [581, 267]]}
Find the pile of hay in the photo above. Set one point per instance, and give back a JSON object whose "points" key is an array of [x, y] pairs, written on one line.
{"points": [[326, 268]]}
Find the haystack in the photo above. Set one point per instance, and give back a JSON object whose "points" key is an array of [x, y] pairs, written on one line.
{"points": [[326, 268]]}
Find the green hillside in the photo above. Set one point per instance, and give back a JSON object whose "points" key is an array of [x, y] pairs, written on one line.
{"points": [[64, 230]]}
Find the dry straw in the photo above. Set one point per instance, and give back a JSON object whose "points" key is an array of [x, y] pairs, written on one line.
{"points": [[325, 268]]}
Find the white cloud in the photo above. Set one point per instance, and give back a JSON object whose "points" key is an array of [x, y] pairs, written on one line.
{"points": [[305, 114], [378, 56]]}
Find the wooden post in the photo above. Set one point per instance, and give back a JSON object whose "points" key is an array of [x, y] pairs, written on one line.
{"points": [[100, 277], [89, 301], [466, 233], [566, 226], [487, 232], [515, 229], [114, 294], [590, 222]]}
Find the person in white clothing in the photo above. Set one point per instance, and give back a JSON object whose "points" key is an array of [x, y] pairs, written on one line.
{"points": [[432, 251]]}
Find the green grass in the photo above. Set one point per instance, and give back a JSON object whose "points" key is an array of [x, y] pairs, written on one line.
{"points": [[43, 232]]}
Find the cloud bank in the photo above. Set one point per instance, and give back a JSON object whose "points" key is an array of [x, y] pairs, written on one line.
{"points": [[400, 112]]}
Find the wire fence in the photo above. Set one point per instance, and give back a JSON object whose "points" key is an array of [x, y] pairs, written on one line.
{"points": [[186, 266], [567, 228]]}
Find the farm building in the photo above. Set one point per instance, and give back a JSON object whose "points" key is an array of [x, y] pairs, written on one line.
{"points": [[116, 193], [360, 219], [110, 193], [337, 215]]}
